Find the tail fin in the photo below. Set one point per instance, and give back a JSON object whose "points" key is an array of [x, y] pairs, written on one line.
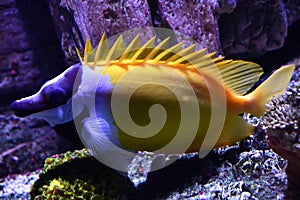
{"points": [[273, 86]]}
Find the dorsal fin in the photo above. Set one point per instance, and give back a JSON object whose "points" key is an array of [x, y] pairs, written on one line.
{"points": [[165, 55], [79, 55], [102, 50], [129, 51], [157, 50], [191, 57], [116, 50], [139, 52], [182, 53], [238, 76], [87, 50]]}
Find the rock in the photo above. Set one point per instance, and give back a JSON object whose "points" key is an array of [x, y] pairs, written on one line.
{"points": [[282, 122], [29, 46], [257, 175], [253, 28], [75, 21], [234, 28], [26, 143], [29, 53], [292, 11], [17, 186], [67, 31], [195, 19], [226, 6]]}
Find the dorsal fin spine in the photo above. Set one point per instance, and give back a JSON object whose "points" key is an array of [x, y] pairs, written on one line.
{"points": [[133, 44], [87, 49], [79, 55], [99, 49], [113, 49], [203, 59], [159, 47], [182, 53], [148, 44], [191, 57], [167, 51]]}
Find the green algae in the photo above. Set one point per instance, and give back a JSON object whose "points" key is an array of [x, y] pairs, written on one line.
{"points": [[63, 189], [56, 160], [77, 175]]}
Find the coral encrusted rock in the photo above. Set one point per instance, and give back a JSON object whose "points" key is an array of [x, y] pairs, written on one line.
{"points": [[282, 124]]}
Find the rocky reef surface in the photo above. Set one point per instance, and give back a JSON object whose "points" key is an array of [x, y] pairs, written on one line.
{"points": [[282, 123], [240, 171]]}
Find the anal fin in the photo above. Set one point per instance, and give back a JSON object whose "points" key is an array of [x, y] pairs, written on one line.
{"points": [[235, 129]]}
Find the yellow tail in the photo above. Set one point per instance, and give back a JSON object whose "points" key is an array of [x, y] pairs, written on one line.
{"points": [[273, 86]]}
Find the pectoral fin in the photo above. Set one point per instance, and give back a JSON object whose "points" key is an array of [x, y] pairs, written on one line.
{"points": [[95, 136]]}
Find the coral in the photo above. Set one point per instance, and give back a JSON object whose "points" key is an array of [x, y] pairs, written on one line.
{"points": [[76, 175], [284, 112], [56, 160], [257, 175], [282, 123], [63, 189]]}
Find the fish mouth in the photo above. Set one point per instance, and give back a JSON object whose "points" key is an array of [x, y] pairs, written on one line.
{"points": [[23, 109]]}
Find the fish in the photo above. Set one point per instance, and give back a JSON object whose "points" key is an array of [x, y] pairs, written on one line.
{"points": [[146, 78]]}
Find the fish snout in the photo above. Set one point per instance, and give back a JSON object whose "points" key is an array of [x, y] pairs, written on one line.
{"points": [[49, 97], [17, 107], [25, 107], [54, 93]]}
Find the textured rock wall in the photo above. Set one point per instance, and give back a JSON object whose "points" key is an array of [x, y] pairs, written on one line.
{"points": [[256, 27], [92, 18], [242, 29], [29, 53], [195, 19], [76, 21]]}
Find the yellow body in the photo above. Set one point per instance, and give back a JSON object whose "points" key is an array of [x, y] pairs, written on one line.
{"points": [[233, 77], [150, 94]]}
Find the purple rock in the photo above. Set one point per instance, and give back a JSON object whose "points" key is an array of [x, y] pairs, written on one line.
{"points": [[194, 19], [253, 28]]}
